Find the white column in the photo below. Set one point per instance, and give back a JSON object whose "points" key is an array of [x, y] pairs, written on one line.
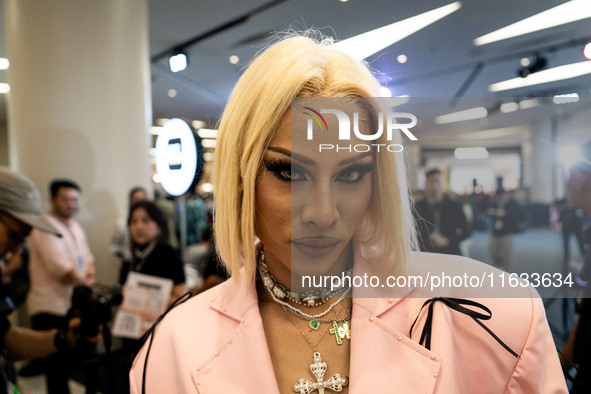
{"points": [[540, 161], [80, 104]]}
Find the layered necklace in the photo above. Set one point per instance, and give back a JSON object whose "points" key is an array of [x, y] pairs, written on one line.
{"points": [[340, 328]]}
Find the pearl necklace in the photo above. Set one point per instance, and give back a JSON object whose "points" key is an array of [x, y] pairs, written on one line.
{"points": [[310, 299]]}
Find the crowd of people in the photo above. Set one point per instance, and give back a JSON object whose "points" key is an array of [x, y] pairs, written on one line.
{"points": [[53, 266]]}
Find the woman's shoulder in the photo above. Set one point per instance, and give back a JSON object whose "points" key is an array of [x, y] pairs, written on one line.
{"points": [[473, 294], [459, 276], [486, 309], [192, 313]]}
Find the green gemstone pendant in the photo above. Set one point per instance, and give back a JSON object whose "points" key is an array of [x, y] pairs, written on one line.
{"points": [[314, 324]]}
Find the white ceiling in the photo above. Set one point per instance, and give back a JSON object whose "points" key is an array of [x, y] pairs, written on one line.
{"points": [[441, 57]]}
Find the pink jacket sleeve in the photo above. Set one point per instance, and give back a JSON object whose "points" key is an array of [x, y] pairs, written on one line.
{"points": [[538, 368]]}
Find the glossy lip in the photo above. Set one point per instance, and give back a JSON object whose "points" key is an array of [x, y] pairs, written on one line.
{"points": [[316, 246]]}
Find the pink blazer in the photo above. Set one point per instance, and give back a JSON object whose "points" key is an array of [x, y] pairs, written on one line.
{"points": [[215, 343]]}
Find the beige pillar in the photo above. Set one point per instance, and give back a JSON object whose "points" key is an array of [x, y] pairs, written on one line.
{"points": [[80, 105]]}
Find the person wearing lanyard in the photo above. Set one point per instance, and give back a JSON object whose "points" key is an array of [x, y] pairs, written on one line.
{"points": [[57, 265], [20, 212]]}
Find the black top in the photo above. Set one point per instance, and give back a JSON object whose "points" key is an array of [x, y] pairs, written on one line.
{"points": [[512, 220], [163, 261], [448, 218]]}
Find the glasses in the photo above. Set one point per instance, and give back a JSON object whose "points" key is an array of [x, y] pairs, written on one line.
{"points": [[15, 237]]}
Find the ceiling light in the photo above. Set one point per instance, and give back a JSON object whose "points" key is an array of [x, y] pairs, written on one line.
{"points": [[207, 187], [4, 63], [552, 74], [198, 124], [161, 121], [509, 107], [208, 156], [469, 114], [234, 59], [207, 133], [208, 143], [587, 51], [385, 91], [478, 153], [399, 100], [373, 41], [171, 93], [401, 59], [155, 130], [565, 98], [178, 62], [525, 62], [4, 88], [565, 13], [530, 103]]}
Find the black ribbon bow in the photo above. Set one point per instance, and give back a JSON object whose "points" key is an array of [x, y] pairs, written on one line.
{"points": [[456, 304]]}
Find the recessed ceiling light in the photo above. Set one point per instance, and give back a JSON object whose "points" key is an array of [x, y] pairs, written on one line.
{"points": [[178, 62], [234, 59], [208, 143], [207, 187], [4, 63], [477, 153], [529, 103], [550, 75], [565, 98], [385, 91], [587, 51], [509, 107], [460, 116], [198, 124], [402, 59], [171, 93], [373, 41], [4, 88], [565, 13], [207, 133], [525, 62]]}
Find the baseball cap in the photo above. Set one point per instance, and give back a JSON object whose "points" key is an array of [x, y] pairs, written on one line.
{"points": [[20, 198]]}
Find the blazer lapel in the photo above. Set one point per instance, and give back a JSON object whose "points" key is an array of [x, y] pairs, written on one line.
{"points": [[242, 363]]}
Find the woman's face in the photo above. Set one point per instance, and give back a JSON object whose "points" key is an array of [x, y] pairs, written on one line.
{"points": [[309, 204], [142, 228]]}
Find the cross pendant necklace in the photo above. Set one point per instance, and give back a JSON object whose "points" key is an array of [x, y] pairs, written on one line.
{"points": [[318, 368]]}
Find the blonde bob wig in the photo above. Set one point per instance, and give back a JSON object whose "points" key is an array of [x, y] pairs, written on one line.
{"points": [[296, 66]]}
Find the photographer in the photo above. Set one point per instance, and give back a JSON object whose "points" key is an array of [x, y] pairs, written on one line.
{"points": [[20, 212]]}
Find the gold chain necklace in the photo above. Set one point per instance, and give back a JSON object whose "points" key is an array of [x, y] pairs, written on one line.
{"points": [[318, 368]]}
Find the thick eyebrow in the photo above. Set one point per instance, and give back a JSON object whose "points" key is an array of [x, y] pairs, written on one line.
{"points": [[355, 158], [289, 153], [307, 161]]}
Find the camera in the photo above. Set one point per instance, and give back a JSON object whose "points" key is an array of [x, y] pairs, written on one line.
{"points": [[95, 309]]}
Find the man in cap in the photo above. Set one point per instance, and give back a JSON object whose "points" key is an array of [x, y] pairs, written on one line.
{"points": [[20, 212]]}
